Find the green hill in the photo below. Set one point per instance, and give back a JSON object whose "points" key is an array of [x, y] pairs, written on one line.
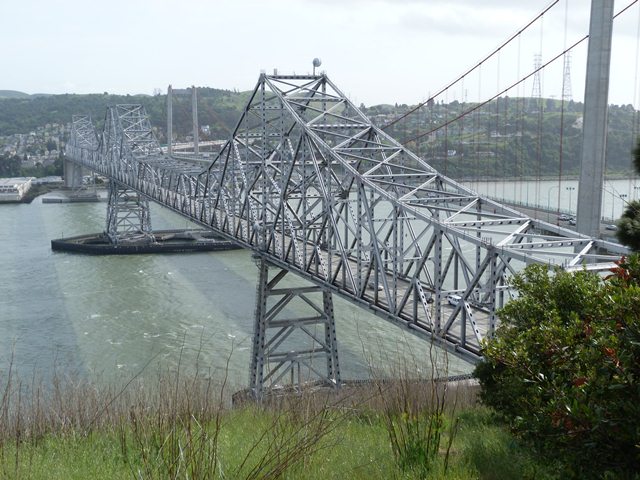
{"points": [[217, 108], [508, 137], [4, 94]]}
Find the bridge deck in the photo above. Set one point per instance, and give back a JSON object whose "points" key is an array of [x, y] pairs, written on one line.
{"points": [[310, 184]]}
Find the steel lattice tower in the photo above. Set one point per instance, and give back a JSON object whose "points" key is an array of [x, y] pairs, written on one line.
{"points": [[566, 78], [536, 92]]}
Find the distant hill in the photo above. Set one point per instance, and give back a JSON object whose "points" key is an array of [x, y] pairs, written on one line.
{"points": [[12, 94], [220, 109], [517, 143]]}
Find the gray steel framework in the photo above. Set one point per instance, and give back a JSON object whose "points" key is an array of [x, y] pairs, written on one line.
{"points": [[311, 185], [286, 340], [128, 217]]}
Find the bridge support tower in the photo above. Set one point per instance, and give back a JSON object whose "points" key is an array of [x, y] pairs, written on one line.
{"points": [[286, 318], [72, 173], [594, 128], [128, 217]]}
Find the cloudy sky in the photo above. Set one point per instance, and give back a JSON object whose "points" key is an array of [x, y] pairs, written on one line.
{"points": [[374, 50]]}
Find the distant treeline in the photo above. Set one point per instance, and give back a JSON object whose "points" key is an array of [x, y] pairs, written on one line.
{"points": [[217, 108], [508, 137]]}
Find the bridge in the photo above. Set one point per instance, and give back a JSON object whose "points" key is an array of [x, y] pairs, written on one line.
{"points": [[312, 187]]}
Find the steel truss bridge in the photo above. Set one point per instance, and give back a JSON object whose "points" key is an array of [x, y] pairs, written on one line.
{"points": [[312, 187]]}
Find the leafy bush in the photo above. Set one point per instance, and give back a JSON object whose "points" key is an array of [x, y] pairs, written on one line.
{"points": [[564, 368]]}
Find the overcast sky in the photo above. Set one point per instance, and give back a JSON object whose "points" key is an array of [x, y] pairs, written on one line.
{"points": [[374, 50]]}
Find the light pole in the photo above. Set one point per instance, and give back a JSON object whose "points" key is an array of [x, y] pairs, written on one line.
{"points": [[570, 189], [622, 197], [549, 200]]}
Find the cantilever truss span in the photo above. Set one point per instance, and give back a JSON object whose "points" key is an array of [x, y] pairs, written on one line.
{"points": [[312, 186]]}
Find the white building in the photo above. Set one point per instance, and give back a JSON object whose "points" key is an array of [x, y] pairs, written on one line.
{"points": [[13, 189]]}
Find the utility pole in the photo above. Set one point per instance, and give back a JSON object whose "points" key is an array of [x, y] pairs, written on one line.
{"points": [[594, 129]]}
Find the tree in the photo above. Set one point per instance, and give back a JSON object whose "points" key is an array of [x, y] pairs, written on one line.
{"points": [[629, 224], [52, 145], [628, 232], [9, 166], [564, 368]]}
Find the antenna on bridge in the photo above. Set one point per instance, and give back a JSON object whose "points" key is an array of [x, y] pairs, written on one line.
{"points": [[316, 63]]}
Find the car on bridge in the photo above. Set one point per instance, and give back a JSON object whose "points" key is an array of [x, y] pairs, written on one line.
{"points": [[453, 299]]}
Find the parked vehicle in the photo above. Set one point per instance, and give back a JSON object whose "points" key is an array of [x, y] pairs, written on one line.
{"points": [[611, 227], [564, 217]]}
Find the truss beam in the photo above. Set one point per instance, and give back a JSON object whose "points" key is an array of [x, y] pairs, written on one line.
{"points": [[310, 184], [294, 336]]}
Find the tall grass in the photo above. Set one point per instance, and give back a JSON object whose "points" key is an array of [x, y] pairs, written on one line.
{"points": [[176, 426], [420, 409]]}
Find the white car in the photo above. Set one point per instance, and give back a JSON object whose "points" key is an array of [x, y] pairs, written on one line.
{"points": [[453, 299]]}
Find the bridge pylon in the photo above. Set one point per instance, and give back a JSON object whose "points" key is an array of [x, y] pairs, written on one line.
{"points": [[128, 216], [294, 336]]}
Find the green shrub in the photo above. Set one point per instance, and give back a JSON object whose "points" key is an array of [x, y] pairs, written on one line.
{"points": [[564, 368]]}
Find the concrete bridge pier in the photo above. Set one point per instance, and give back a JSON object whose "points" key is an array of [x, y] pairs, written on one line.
{"points": [[72, 174], [294, 336]]}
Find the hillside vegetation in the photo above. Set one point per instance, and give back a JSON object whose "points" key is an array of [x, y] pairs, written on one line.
{"points": [[219, 109], [508, 137]]}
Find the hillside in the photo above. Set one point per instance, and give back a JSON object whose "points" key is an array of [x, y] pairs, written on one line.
{"points": [[217, 108], [4, 94], [505, 138]]}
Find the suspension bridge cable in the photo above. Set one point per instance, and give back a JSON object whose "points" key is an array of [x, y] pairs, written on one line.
{"points": [[482, 104], [562, 105], [477, 65], [513, 85]]}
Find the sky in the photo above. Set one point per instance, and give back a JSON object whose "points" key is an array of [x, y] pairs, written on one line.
{"points": [[375, 51]]}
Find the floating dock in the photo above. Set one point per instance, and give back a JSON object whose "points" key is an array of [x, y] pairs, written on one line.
{"points": [[162, 241]]}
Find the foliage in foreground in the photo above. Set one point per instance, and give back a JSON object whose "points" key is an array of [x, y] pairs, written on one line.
{"points": [[357, 449], [180, 428], [628, 232], [564, 368]]}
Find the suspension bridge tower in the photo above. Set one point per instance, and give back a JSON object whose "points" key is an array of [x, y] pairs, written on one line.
{"points": [[596, 96]]}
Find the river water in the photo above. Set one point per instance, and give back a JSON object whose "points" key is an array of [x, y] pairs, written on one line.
{"points": [[115, 317], [560, 195]]}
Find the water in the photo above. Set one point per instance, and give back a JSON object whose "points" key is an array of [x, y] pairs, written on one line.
{"points": [[106, 317], [563, 196]]}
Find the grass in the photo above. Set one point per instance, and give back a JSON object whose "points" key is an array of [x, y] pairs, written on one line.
{"points": [[178, 427], [357, 449], [183, 428]]}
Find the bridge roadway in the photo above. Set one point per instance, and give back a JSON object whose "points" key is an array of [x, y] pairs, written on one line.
{"points": [[310, 185]]}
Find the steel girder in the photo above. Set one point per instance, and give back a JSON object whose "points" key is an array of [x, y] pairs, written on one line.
{"points": [[128, 216], [308, 182], [294, 334]]}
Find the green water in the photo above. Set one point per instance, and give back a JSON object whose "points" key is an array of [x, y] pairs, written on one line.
{"points": [[100, 317]]}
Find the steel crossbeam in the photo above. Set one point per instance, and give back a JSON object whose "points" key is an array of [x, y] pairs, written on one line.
{"points": [[309, 183], [295, 340], [128, 217]]}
